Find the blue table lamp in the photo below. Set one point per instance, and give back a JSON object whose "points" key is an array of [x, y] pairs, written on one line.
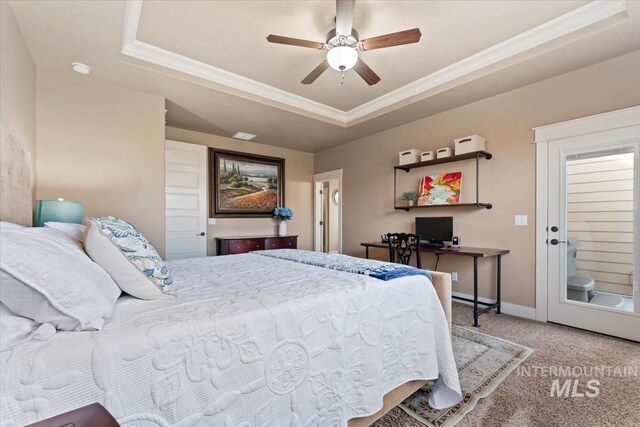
{"points": [[58, 211]]}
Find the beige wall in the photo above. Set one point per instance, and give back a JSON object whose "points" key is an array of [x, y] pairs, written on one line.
{"points": [[17, 84], [298, 189], [102, 145], [508, 180]]}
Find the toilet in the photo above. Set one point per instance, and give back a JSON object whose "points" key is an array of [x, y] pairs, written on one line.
{"points": [[583, 288]]}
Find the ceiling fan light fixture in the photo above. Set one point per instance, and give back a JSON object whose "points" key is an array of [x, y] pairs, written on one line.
{"points": [[342, 58]]}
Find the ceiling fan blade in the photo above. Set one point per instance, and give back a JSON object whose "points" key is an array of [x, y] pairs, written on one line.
{"points": [[315, 73], [393, 39], [366, 73], [271, 38], [344, 16]]}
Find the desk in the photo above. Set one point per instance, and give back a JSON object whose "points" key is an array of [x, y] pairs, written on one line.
{"points": [[475, 253]]}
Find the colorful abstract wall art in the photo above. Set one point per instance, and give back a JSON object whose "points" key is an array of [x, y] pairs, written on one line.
{"points": [[442, 189]]}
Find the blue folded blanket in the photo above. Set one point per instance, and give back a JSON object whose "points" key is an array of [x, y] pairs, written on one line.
{"points": [[368, 267]]}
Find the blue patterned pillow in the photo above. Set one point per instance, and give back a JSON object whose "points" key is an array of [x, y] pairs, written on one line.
{"points": [[138, 252]]}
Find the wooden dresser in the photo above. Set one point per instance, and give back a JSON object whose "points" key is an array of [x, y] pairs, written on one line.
{"points": [[243, 244]]}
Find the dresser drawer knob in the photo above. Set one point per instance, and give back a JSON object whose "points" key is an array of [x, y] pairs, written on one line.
{"points": [[237, 247]]}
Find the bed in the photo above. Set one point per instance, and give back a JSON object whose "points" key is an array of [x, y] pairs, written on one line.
{"points": [[248, 340]]}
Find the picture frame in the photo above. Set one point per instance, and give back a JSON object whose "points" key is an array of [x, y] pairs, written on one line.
{"points": [[243, 185], [440, 189]]}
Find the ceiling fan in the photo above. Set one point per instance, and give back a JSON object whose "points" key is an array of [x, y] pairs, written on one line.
{"points": [[343, 44]]}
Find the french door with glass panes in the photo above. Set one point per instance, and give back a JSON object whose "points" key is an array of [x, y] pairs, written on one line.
{"points": [[592, 232]]}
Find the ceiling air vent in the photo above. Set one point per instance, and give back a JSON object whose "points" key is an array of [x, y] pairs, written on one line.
{"points": [[244, 136]]}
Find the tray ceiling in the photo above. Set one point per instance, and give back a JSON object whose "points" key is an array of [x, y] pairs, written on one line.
{"points": [[223, 43], [212, 63], [232, 36]]}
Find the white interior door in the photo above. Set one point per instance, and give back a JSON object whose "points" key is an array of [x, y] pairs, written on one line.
{"points": [[328, 211], [593, 251], [185, 200]]}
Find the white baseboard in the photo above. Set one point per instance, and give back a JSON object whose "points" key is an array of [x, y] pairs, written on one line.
{"points": [[505, 307]]}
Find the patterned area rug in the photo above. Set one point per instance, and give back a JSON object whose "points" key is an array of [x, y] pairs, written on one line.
{"points": [[483, 363]]}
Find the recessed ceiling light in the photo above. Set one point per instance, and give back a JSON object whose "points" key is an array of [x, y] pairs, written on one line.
{"points": [[81, 68], [244, 136]]}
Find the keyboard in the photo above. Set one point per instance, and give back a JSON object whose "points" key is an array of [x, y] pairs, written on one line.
{"points": [[431, 245]]}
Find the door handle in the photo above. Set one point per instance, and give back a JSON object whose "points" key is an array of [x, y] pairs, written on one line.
{"points": [[556, 241], [200, 234]]}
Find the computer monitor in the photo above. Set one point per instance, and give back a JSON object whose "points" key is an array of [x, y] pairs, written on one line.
{"points": [[437, 229]]}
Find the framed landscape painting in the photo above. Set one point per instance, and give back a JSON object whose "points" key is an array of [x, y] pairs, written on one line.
{"points": [[244, 185]]}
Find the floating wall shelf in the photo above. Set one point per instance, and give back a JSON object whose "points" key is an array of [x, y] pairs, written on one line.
{"points": [[477, 155], [457, 205]]}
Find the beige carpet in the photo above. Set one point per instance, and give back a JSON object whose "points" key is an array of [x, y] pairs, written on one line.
{"points": [[525, 400]]}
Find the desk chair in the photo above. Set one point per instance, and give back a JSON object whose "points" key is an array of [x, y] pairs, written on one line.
{"points": [[402, 245]]}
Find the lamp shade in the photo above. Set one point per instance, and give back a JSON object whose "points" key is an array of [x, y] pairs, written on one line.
{"points": [[342, 58], [58, 211]]}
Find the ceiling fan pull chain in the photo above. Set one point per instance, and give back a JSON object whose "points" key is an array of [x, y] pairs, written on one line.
{"points": [[342, 78]]}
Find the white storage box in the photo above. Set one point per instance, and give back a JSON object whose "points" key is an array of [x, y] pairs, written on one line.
{"points": [[427, 155], [469, 144], [444, 152], [409, 156]]}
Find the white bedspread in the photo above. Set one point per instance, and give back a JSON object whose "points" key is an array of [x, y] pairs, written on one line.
{"points": [[249, 341]]}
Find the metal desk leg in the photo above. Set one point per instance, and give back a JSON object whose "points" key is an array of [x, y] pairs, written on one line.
{"points": [[499, 283], [475, 292], [366, 251]]}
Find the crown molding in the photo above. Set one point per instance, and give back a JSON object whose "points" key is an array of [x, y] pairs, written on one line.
{"points": [[223, 80], [571, 22], [132, 11], [234, 84]]}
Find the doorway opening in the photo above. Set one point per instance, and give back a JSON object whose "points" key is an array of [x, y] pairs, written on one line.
{"points": [[328, 212]]}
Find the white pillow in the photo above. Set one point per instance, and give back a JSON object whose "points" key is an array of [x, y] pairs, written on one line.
{"points": [[4, 225], [56, 270], [16, 330], [25, 301], [124, 253], [75, 231]]}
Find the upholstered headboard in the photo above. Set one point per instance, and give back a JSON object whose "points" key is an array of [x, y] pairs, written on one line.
{"points": [[15, 180]]}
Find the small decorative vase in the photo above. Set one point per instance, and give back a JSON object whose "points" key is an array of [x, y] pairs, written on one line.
{"points": [[411, 202], [282, 228]]}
